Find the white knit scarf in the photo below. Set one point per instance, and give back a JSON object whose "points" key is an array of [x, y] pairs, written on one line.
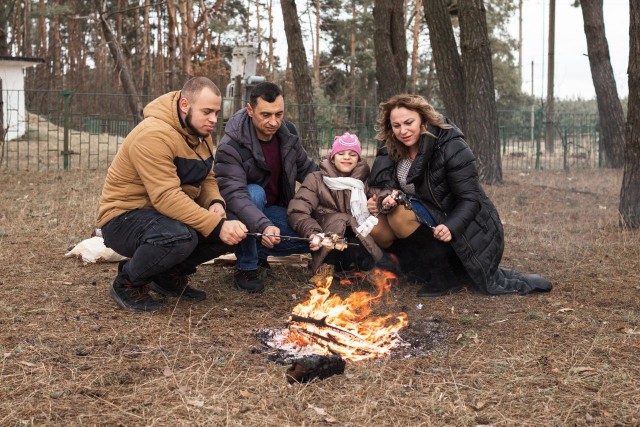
{"points": [[358, 202]]}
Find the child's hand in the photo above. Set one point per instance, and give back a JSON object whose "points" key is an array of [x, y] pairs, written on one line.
{"points": [[372, 205], [315, 242]]}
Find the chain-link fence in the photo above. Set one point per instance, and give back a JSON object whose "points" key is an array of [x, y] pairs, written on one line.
{"points": [[51, 130]]}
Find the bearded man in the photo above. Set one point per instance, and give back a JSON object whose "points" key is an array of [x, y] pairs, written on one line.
{"points": [[160, 205]]}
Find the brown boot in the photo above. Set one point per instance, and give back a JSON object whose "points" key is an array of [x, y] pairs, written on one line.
{"points": [[324, 271]]}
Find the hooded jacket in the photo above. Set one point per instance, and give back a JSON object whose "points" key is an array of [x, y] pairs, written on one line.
{"points": [[317, 209], [236, 169], [162, 165], [446, 181]]}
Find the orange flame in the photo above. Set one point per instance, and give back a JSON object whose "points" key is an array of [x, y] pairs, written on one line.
{"points": [[331, 325]]}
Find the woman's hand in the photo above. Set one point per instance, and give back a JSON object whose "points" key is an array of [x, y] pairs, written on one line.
{"points": [[389, 202], [441, 232]]}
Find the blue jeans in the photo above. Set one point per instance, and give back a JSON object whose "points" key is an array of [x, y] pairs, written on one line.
{"points": [[249, 250], [423, 215], [158, 244]]}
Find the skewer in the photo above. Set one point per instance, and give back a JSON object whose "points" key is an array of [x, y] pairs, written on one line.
{"points": [[305, 239]]}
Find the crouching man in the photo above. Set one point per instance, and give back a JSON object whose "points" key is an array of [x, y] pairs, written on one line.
{"points": [[160, 205]]}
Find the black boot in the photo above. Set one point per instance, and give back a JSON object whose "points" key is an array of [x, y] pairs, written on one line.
{"points": [[507, 281], [442, 281], [172, 284], [129, 296]]}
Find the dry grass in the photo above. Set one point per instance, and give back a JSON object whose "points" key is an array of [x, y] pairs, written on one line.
{"points": [[570, 357]]}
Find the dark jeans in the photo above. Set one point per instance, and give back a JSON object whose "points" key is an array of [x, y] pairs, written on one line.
{"points": [[158, 244], [249, 250]]}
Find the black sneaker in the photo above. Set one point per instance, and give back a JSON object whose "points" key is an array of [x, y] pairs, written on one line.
{"points": [[248, 281], [173, 285], [130, 297], [264, 268]]}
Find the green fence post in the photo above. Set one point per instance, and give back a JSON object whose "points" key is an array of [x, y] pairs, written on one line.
{"points": [[66, 103], [538, 120]]}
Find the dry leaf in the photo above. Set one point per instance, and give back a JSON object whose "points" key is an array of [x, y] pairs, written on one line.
{"points": [[330, 420], [479, 405], [196, 403], [629, 331], [581, 369], [29, 364], [245, 394], [167, 372], [565, 310], [319, 411]]}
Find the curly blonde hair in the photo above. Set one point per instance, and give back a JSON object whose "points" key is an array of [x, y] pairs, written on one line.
{"points": [[428, 115]]}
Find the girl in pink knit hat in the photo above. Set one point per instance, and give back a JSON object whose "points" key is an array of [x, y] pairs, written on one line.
{"points": [[334, 200]]}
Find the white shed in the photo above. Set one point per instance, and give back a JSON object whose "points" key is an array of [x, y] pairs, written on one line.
{"points": [[13, 107]]}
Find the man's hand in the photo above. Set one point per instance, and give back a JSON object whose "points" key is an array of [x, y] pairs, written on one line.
{"points": [[218, 209], [270, 241], [232, 232]]}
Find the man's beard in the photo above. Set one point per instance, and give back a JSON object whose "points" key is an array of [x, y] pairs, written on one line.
{"points": [[190, 125]]}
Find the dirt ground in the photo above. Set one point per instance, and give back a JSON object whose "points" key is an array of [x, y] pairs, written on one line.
{"points": [[70, 356]]}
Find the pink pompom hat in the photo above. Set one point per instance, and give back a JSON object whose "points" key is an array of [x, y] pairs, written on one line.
{"points": [[347, 141]]}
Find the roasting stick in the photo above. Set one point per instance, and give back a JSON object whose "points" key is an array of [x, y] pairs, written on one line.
{"points": [[342, 241]]}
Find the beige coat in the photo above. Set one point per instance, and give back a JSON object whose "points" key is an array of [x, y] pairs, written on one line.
{"points": [[161, 165]]}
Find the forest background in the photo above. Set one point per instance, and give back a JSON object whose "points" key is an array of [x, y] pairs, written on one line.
{"points": [[163, 43], [361, 52]]}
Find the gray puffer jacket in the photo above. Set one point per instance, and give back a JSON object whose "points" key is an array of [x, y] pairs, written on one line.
{"points": [[235, 169], [446, 182]]}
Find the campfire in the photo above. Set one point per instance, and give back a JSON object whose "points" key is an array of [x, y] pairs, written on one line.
{"points": [[329, 325], [326, 330]]}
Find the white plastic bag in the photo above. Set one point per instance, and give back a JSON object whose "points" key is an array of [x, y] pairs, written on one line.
{"points": [[93, 250]]}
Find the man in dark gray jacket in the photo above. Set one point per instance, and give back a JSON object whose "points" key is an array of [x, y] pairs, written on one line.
{"points": [[257, 164]]}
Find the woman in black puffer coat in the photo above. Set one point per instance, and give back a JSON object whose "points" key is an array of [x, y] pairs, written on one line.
{"points": [[433, 212]]}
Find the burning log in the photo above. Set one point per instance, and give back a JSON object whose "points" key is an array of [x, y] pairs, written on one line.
{"points": [[315, 366], [332, 325]]}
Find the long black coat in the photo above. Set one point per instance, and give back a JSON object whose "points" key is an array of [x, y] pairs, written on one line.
{"points": [[234, 172], [446, 181]]}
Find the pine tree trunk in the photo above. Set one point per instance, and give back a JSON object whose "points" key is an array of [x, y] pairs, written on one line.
{"points": [[447, 60], [352, 62], [609, 106], [417, 22], [135, 103], [630, 192], [146, 48], [301, 78], [26, 19], [390, 47], [316, 62], [55, 51], [481, 110], [172, 46]]}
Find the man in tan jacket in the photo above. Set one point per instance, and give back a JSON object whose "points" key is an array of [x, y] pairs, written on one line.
{"points": [[160, 204]]}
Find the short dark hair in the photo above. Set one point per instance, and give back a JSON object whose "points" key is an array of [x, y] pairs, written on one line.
{"points": [[265, 90], [194, 86]]}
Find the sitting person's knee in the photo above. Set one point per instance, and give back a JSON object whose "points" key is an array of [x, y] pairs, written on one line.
{"points": [[257, 195]]}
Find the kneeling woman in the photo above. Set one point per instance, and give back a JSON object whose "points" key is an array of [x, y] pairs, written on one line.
{"points": [[443, 227]]}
